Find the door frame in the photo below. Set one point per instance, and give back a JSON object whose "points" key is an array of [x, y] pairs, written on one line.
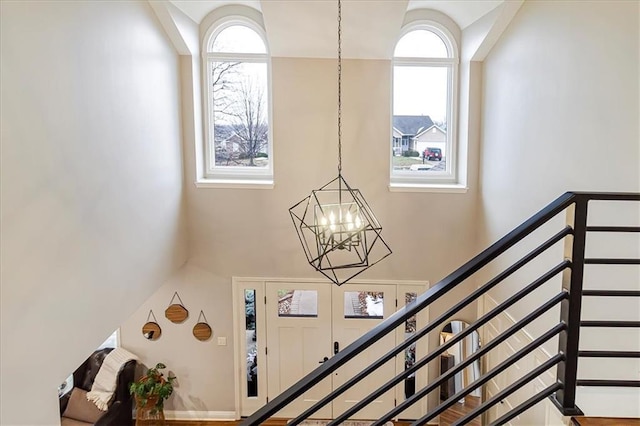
{"points": [[245, 405]]}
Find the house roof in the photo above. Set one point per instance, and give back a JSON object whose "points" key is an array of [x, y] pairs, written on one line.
{"points": [[411, 124], [431, 127]]}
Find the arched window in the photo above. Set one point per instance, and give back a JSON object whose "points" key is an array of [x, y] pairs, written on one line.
{"points": [[237, 69], [425, 65]]}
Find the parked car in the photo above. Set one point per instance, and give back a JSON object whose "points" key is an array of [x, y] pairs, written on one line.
{"points": [[432, 154]]}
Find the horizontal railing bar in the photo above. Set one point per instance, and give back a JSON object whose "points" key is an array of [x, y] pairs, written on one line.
{"points": [[432, 325], [613, 228], [609, 196], [612, 293], [457, 338], [508, 390], [430, 296], [488, 347], [495, 371], [610, 383], [423, 300], [612, 324], [611, 261], [609, 354], [550, 390]]}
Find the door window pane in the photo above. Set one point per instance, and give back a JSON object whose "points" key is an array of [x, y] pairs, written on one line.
{"points": [[252, 346], [364, 304], [410, 352], [297, 303]]}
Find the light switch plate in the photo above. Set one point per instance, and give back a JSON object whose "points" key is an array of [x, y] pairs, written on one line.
{"points": [[222, 341]]}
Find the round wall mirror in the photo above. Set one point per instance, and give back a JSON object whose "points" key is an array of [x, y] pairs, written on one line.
{"points": [[457, 353], [202, 331], [151, 331]]}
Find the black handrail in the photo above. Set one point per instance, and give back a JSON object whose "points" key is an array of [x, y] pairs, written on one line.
{"points": [[554, 360], [545, 393], [488, 347], [496, 371], [457, 338], [433, 325], [570, 312]]}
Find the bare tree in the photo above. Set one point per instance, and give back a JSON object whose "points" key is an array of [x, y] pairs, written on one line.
{"points": [[222, 81], [249, 119]]}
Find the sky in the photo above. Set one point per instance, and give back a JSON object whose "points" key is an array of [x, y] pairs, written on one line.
{"points": [[416, 90]]}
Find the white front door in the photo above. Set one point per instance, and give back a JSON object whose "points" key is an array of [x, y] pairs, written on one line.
{"points": [[301, 322], [357, 308], [298, 339]]}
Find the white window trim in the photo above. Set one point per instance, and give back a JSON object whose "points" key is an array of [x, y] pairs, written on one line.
{"points": [[406, 181], [233, 177]]}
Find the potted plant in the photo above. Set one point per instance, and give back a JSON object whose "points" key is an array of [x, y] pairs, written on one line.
{"points": [[150, 392]]}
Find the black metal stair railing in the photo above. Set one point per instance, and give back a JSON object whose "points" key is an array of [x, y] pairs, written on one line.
{"points": [[567, 329]]}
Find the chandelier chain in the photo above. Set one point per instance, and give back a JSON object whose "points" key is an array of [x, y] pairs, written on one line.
{"points": [[339, 88]]}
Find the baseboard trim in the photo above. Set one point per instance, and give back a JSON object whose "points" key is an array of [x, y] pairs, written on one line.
{"points": [[199, 415]]}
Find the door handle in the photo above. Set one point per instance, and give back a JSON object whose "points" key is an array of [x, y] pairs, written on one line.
{"points": [[325, 359], [336, 348]]}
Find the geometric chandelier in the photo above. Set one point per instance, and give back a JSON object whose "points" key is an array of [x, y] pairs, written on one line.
{"points": [[340, 235]]}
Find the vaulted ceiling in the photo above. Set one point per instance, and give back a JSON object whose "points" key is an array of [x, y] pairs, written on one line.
{"points": [[307, 28]]}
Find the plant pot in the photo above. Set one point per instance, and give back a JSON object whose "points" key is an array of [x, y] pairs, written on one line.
{"points": [[148, 414]]}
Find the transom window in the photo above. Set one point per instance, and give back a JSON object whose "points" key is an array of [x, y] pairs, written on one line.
{"points": [[423, 148], [237, 112]]}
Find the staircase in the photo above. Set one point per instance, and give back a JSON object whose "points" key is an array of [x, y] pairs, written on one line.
{"points": [[554, 377]]}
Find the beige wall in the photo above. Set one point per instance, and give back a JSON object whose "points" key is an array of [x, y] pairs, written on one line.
{"points": [[241, 232], [92, 200], [563, 75], [204, 369]]}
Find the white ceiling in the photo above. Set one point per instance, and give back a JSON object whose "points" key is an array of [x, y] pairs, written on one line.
{"points": [[463, 12], [307, 28]]}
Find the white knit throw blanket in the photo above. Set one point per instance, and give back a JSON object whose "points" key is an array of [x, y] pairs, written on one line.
{"points": [[106, 380]]}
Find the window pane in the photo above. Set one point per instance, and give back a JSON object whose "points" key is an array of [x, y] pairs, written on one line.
{"points": [[238, 39], [252, 347], [297, 303], [239, 106], [421, 44], [420, 105], [111, 342], [363, 304], [410, 352]]}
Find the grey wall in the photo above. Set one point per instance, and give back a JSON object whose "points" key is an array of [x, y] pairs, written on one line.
{"points": [[92, 203]]}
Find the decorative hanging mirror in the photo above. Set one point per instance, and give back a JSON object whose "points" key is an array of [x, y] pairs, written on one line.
{"points": [[176, 312], [202, 330], [151, 330]]}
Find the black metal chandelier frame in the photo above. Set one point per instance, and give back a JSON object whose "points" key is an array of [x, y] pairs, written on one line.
{"points": [[337, 228]]}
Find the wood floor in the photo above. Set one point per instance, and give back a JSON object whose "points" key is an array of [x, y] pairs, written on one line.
{"points": [[444, 420], [271, 422], [604, 421], [457, 411]]}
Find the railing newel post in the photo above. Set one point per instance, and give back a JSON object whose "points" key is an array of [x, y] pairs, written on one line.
{"points": [[571, 308]]}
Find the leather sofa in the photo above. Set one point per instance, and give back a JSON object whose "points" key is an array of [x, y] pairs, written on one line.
{"points": [[120, 408]]}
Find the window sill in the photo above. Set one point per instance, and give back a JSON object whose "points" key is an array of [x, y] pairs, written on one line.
{"points": [[235, 183], [451, 188]]}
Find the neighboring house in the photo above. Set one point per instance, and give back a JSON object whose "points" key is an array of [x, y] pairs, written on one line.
{"points": [[226, 139], [433, 137], [405, 129]]}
